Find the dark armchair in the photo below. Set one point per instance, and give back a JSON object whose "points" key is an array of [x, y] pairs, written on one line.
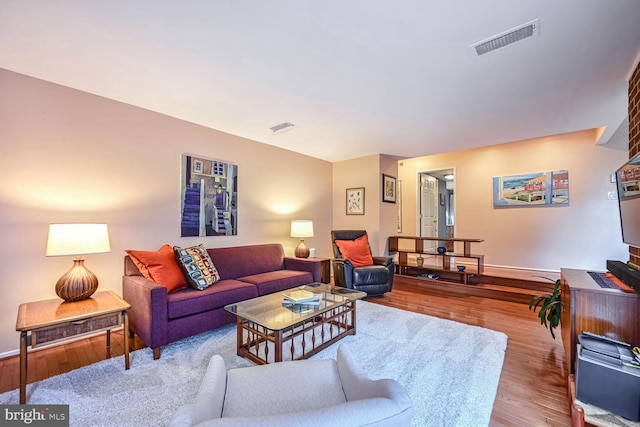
{"points": [[374, 279]]}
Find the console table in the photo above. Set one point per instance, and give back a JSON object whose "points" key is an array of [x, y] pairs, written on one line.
{"points": [[53, 320], [405, 245], [588, 307]]}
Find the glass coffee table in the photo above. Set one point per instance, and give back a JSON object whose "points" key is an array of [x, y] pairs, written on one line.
{"points": [[271, 330]]}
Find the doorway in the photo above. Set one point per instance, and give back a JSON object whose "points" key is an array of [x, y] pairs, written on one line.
{"points": [[436, 205]]}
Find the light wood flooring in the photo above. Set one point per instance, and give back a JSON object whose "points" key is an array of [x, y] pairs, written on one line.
{"points": [[532, 388]]}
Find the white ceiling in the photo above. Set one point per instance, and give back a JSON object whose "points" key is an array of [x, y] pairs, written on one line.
{"points": [[356, 77]]}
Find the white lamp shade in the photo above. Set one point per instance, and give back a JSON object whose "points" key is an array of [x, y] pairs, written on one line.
{"points": [[77, 239], [302, 228]]}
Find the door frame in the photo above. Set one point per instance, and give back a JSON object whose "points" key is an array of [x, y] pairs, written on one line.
{"points": [[418, 195]]}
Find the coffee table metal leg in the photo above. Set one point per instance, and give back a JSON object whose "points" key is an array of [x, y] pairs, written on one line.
{"points": [[277, 357], [353, 318], [240, 335]]}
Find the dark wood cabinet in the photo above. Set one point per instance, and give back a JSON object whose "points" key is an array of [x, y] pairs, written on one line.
{"points": [[588, 307]]}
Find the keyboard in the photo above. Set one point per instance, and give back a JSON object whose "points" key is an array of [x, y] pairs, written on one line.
{"points": [[603, 280]]}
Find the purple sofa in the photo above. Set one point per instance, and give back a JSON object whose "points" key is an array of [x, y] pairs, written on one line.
{"points": [[246, 272]]}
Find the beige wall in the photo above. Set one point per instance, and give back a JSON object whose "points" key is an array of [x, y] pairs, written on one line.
{"points": [[582, 235], [68, 156], [379, 218]]}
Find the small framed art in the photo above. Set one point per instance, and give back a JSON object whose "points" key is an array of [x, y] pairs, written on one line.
{"points": [[355, 201], [389, 188]]}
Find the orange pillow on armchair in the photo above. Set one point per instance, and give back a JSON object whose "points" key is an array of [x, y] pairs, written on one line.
{"points": [[357, 251]]}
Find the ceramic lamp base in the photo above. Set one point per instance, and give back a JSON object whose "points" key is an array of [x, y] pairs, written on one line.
{"points": [[302, 251], [78, 283]]}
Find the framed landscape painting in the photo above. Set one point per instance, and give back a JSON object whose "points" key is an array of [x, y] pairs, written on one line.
{"points": [[533, 189]]}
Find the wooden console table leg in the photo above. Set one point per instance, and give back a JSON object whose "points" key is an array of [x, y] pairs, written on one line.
{"points": [[23, 367], [446, 262], [126, 339], [467, 248]]}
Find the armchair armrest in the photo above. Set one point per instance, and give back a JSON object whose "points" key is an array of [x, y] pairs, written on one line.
{"points": [[343, 272], [210, 398], [383, 260], [357, 385], [303, 264], [148, 313]]}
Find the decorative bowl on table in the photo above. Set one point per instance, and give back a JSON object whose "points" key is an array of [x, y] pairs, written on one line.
{"points": [[461, 267], [441, 249]]}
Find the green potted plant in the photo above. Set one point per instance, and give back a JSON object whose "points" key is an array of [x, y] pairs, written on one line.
{"points": [[550, 307]]}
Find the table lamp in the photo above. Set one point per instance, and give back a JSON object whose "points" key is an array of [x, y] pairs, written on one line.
{"points": [[77, 239], [302, 228]]}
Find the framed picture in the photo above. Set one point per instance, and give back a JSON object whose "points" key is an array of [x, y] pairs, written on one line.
{"points": [[355, 201], [209, 197], [531, 189], [389, 188]]}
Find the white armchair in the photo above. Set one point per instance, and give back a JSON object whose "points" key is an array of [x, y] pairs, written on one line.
{"points": [[301, 393]]}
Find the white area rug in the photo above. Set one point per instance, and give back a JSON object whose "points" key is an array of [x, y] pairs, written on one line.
{"points": [[450, 370]]}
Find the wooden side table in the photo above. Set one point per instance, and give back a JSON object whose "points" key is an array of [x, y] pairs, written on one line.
{"points": [[51, 321], [325, 264]]}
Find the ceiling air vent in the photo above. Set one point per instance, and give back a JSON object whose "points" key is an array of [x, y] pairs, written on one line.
{"points": [[511, 36], [281, 128]]}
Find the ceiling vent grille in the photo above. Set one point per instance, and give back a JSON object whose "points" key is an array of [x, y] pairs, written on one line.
{"points": [[281, 128], [524, 31]]}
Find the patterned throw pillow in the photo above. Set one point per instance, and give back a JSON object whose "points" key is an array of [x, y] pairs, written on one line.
{"points": [[197, 266]]}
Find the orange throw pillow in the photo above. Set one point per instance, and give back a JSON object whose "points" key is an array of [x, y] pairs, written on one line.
{"points": [[160, 266], [357, 251]]}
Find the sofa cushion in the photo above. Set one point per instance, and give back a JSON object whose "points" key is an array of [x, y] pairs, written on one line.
{"points": [[275, 281], [357, 251], [189, 301], [241, 261], [159, 266], [197, 266]]}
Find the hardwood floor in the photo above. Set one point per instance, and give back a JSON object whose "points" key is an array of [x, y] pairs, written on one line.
{"points": [[532, 388]]}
